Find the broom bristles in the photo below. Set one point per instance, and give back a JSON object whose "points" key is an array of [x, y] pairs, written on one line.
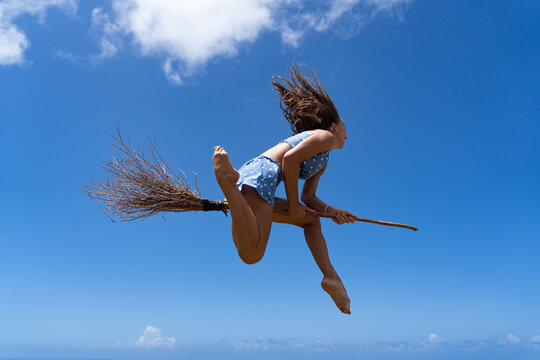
{"points": [[138, 187]]}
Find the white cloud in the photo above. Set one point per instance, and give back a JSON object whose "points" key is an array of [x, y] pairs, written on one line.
{"points": [[388, 347], [534, 343], [387, 4], [349, 15], [322, 22], [269, 344], [188, 34], [510, 339], [435, 339], [13, 42], [435, 344], [393, 7], [290, 36], [108, 34], [172, 74], [151, 339], [192, 31]]}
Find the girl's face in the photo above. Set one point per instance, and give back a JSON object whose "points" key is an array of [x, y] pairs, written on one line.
{"points": [[340, 133]]}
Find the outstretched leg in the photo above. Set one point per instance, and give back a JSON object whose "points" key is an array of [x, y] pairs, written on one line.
{"points": [[331, 282], [251, 215]]}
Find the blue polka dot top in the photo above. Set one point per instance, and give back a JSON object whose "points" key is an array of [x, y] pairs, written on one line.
{"points": [[311, 166]]}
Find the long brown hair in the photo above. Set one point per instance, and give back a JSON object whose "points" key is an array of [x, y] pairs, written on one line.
{"points": [[305, 103]]}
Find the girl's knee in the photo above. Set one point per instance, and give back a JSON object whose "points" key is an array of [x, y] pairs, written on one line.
{"points": [[250, 257], [311, 221]]}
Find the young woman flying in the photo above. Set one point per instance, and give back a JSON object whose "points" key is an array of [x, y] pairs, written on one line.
{"points": [[250, 191]]}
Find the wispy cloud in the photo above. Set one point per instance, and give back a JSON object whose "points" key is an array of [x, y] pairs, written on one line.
{"points": [[509, 339], [13, 42], [185, 35], [170, 71], [188, 34], [108, 34], [534, 343], [150, 339], [433, 340], [433, 343]]}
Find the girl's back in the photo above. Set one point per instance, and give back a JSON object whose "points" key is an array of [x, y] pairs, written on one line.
{"points": [[278, 152]]}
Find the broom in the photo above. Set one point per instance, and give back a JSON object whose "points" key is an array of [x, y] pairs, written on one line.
{"points": [[140, 187]]}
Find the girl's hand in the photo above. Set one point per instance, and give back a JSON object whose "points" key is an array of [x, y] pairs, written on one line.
{"points": [[343, 216], [298, 210]]}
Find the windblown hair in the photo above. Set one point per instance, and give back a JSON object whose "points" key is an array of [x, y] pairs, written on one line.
{"points": [[305, 103]]}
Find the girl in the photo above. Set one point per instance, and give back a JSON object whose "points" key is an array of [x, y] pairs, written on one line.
{"points": [[250, 191]]}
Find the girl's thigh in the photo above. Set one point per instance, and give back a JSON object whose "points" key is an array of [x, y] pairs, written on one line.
{"points": [[283, 218], [263, 213]]}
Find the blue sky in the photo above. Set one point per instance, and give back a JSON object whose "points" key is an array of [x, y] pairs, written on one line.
{"points": [[441, 105]]}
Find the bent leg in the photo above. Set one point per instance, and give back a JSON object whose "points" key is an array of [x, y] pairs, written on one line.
{"points": [[331, 282], [312, 233], [251, 220], [250, 251]]}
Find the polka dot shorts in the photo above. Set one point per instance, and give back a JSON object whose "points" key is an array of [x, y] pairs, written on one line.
{"points": [[262, 173]]}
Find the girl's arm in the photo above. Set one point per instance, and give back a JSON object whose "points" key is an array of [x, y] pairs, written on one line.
{"points": [[316, 143], [309, 198], [308, 193]]}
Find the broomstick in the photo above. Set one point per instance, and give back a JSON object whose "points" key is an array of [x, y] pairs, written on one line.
{"points": [[140, 188]]}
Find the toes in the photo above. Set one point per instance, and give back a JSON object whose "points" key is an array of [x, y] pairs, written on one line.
{"points": [[345, 308]]}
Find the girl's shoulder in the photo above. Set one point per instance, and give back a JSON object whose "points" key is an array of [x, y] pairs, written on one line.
{"points": [[319, 132], [320, 135], [317, 135], [318, 138]]}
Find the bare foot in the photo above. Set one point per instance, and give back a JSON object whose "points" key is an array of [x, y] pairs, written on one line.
{"points": [[225, 172], [334, 287]]}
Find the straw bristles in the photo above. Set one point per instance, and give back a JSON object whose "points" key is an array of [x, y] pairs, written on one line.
{"points": [[139, 188]]}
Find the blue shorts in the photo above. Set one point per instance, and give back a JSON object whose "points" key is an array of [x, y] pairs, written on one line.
{"points": [[262, 173]]}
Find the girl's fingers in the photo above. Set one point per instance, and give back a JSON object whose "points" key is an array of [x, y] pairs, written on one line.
{"points": [[346, 217], [343, 217]]}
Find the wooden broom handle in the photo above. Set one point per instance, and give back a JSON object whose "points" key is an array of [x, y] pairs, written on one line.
{"points": [[387, 223]]}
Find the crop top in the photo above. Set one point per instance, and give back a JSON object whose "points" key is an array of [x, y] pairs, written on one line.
{"points": [[311, 166]]}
